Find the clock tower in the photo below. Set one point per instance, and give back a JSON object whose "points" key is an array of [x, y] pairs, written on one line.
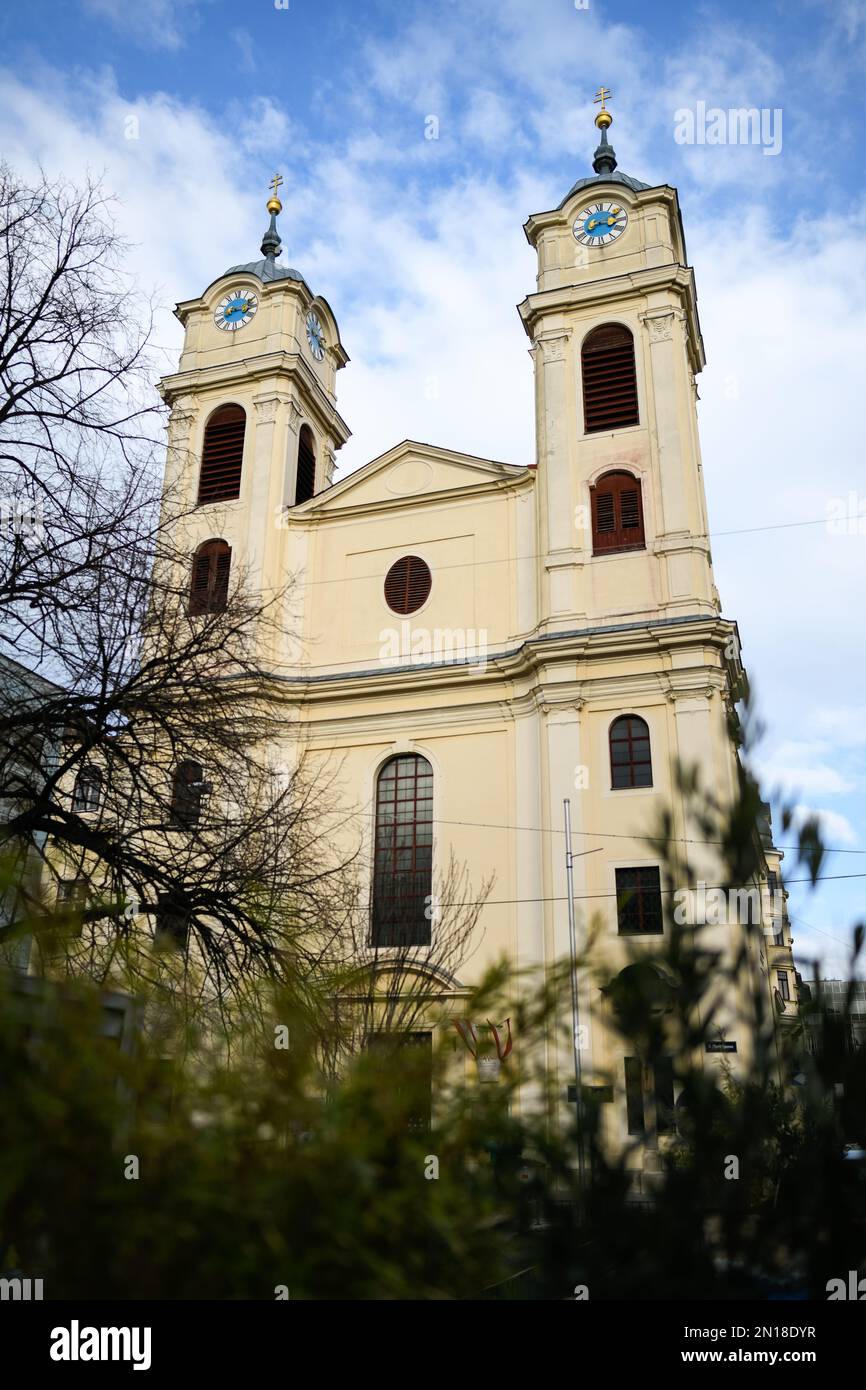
{"points": [[254, 427], [616, 340]]}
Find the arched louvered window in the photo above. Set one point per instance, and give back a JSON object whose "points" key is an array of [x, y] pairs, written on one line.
{"points": [[403, 859], [408, 584], [187, 790], [609, 381], [630, 759], [222, 455], [617, 513], [305, 486], [209, 589], [87, 792]]}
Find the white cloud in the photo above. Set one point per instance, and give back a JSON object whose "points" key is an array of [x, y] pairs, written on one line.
{"points": [[150, 23], [244, 41], [845, 725], [795, 768], [424, 273], [835, 829]]}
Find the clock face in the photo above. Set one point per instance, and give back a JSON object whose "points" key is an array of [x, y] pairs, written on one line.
{"points": [[315, 337], [600, 224], [235, 310]]}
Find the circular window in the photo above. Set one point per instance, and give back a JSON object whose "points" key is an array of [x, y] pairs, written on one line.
{"points": [[407, 584]]}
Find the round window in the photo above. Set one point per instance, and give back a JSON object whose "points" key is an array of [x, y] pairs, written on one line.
{"points": [[407, 584]]}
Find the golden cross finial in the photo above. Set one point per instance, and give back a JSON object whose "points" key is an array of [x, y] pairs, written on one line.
{"points": [[274, 204], [603, 117]]}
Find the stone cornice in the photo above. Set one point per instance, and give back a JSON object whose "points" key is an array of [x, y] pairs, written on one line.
{"points": [[678, 279], [583, 648], [299, 289], [320, 515], [562, 216], [271, 366]]}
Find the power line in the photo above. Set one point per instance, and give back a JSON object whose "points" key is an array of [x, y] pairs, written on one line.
{"points": [[618, 835], [801, 921], [704, 536], [588, 897]]}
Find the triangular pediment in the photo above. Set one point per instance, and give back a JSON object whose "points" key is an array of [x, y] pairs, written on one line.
{"points": [[411, 472]]}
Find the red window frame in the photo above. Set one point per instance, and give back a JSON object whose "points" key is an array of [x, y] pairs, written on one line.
{"points": [[639, 902], [629, 734]]}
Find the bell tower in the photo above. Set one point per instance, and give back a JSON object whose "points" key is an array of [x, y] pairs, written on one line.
{"points": [[617, 346], [254, 427]]}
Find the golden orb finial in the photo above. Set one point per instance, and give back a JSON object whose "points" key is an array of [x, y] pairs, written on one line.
{"points": [[274, 204], [603, 118]]}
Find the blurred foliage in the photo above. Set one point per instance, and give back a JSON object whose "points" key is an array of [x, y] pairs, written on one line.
{"points": [[261, 1167]]}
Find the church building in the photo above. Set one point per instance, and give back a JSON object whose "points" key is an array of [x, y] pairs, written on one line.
{"points": [[474, 642]]}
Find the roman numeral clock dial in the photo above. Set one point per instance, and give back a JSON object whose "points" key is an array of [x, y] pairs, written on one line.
{"points": [[235, 310], [600, 224]]}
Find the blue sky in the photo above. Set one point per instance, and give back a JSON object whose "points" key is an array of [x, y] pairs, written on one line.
{"points": [[418, 246]]}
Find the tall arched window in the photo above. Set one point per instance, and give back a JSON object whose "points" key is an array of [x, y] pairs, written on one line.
{"points": [[630, 759], [403, 864], [617, 513], [609, 381], [187, 789], [87, 792], [305, 486], [209, 587], [222, 455]]}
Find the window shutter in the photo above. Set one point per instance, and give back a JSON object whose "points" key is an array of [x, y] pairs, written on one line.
{"points": [[223, 560], [222, 455], [629, 503], [605, 515], [209, 586], [305, 486], [407, 584], [186, 794], [617, 513], [609, 381]]}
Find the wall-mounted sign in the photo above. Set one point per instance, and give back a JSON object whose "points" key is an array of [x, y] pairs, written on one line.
{"points": [[721, 1045]]}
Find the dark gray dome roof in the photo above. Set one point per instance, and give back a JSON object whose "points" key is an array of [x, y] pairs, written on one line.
{"points": [[614, 177], [267, 270], [604, 164]]}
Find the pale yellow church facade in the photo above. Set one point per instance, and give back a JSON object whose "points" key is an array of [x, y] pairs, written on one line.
{"points": [[474, 642]]}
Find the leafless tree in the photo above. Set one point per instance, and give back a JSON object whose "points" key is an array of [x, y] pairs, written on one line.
{"points": [[136, 741], [398, 988], [148, 763]]}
